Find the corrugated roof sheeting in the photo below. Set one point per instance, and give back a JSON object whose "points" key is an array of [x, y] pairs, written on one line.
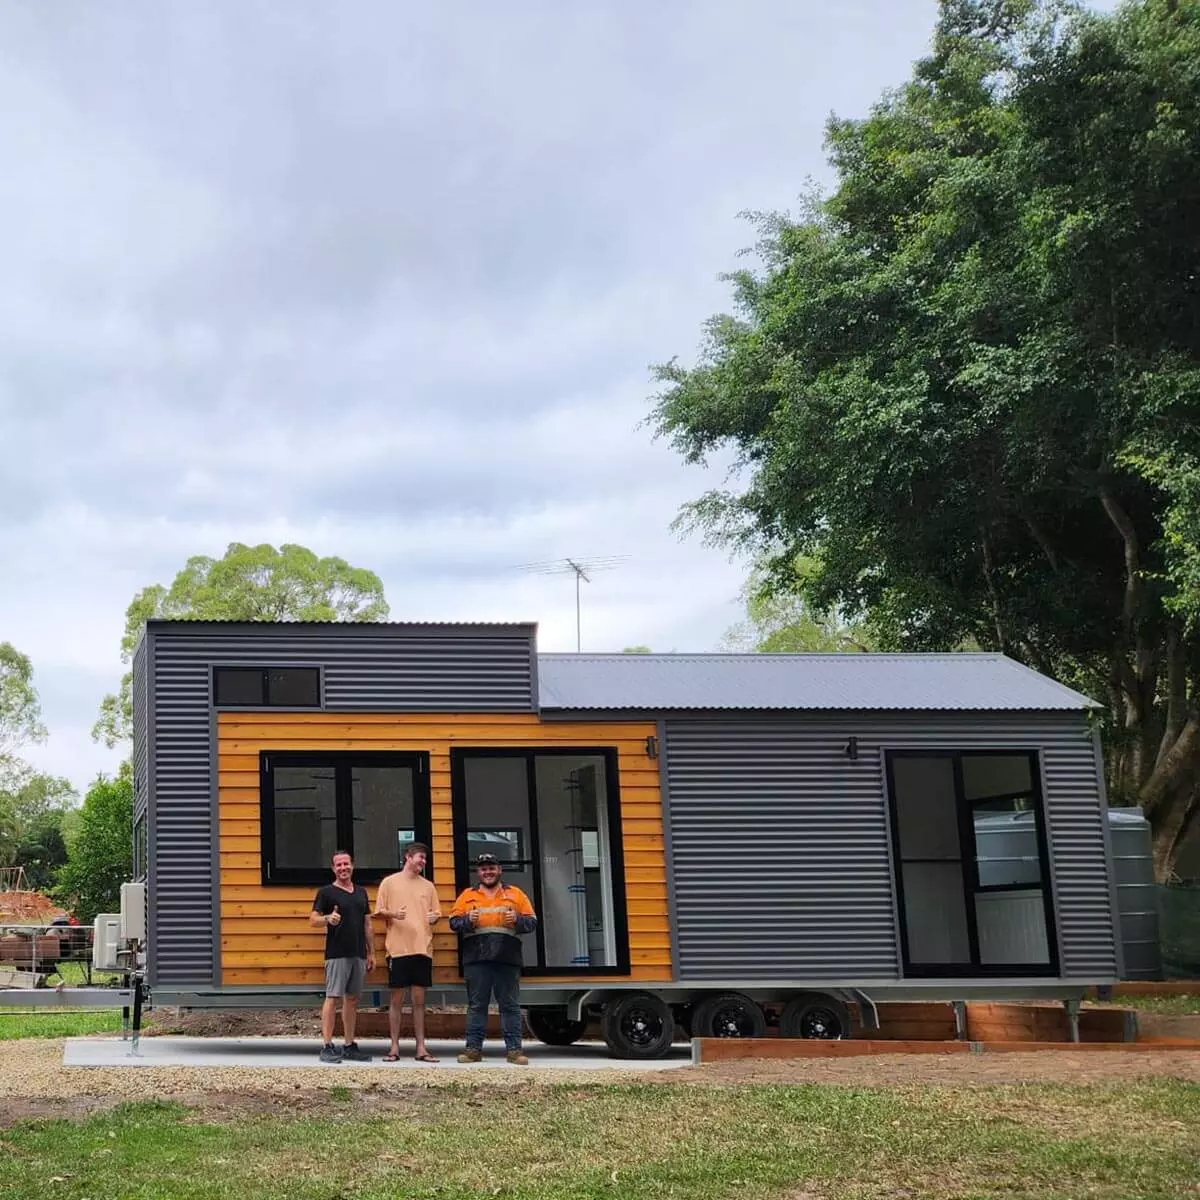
{"points": [[842, 682]]}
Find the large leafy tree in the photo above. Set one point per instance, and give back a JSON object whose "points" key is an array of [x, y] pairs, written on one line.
{"points": [[250, 583], [20, 710], [968, 380], [101, 852]]}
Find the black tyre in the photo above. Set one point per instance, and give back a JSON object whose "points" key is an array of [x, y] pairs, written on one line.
{"points": [[728, 1015], [552, 1026], [814, 1017], [638, 1025]]}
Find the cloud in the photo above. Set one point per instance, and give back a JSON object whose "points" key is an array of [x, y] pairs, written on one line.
{"points": [[385, 281]]}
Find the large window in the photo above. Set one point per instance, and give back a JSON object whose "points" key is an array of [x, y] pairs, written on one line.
{"points": [[314, 804], [267, 687], [552, 817], [972, 869]]}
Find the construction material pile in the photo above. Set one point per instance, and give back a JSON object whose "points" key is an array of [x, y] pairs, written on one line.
{"points": [[30, 908]]}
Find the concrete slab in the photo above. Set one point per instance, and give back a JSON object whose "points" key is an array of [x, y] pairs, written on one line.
{"points": [[262, 1052]]}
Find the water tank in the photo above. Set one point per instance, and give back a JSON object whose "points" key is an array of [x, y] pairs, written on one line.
{"points": [[1137, 894]]}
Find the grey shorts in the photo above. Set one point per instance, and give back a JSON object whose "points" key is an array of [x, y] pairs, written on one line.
{"points": [[345, 976]]}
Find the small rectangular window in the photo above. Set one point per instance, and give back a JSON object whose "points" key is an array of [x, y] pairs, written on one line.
{"points": [[275, 687], [294, 687], [236, 686]]}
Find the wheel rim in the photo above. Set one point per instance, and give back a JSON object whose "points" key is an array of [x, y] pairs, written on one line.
{"points": [[641, 1027], [732, 1021], [821, 1022]]}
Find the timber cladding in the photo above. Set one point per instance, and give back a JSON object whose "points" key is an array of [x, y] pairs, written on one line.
{"points": [[264, 931]]}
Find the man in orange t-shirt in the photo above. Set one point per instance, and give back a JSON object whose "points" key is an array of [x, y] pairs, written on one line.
{"points": [[408, 903]]}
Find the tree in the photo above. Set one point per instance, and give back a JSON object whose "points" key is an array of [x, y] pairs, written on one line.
{"points": [[20, 710], [34, 808], [968, 381], [781, 620], [250, 583], [101, 855]]}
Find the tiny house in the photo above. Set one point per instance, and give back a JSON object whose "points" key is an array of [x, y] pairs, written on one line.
{"points": [[708, 839]]}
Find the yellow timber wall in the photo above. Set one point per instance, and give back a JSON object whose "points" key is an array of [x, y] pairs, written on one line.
{"points": [[265, 937]]}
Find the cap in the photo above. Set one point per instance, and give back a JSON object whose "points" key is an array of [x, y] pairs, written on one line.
{"points": [[487, 860]]}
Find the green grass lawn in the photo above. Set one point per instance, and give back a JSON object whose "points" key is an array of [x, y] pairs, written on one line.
{"points": [[56, 1022], [630, 1141]]}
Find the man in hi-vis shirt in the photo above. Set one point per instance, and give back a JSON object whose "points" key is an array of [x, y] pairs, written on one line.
{"points": [[490, 919]]}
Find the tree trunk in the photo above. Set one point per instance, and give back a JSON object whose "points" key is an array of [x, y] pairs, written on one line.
{"points": [[1170, 829], [1170, 795]]}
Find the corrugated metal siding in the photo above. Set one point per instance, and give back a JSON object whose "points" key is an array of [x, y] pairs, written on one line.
{"points": [[400, 668], [780, 848]]}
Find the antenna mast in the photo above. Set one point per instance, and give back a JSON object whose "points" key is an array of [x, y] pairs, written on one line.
{"points": [[582, 569]]}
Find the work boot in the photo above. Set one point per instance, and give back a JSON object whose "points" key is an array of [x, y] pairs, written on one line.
{"points": [[471, 1054], [517, 1058]]}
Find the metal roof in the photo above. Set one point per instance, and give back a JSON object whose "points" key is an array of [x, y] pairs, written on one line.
{"points": [[832, 682]]}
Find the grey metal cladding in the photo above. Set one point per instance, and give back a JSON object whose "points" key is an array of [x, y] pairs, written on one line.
{"points": [[780, 848], [828, 682], [364, 668], [385, 668]]}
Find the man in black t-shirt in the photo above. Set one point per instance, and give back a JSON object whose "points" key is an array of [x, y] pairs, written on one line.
{"points": [[343, 910]]}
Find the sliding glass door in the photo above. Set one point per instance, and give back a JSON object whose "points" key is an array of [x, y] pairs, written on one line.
{"points": [[971, 863], [552, 818]]}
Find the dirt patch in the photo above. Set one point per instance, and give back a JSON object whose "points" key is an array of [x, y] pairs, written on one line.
{"points": [[264, 1022]]}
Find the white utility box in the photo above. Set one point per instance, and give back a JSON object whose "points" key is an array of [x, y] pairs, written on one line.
{"points": [[106, 942], [133, 912]]}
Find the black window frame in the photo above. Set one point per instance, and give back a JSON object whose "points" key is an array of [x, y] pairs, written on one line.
{"points": [[265, 672], [342, 762], [464, 875], [964, 809]]}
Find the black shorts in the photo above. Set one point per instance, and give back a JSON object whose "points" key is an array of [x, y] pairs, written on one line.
{"points": [[410, 970]]}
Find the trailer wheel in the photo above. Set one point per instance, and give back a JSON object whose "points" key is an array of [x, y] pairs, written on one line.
{"points": [[728, 1015], [814, 1017], [553, 1027], [638, 1025]]}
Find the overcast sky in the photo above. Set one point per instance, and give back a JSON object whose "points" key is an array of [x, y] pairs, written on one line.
{"points": [[386, 280]]}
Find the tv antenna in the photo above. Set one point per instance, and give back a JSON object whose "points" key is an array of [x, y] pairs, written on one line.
{"points": [[583, 569]]}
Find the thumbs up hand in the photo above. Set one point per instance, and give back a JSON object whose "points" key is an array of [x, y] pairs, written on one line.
{"points": [[334, 918]]}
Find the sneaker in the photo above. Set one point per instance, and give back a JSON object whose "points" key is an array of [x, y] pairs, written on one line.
{"points": [[330, 1054], [351, 1053], [517, 1058], [470, 1055]]}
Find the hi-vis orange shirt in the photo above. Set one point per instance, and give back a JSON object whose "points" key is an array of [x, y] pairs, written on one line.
{"points": [[490, 939]]}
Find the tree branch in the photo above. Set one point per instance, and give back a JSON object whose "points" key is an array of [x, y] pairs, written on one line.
{"points": [[1124, 526], [989, 575], [1172, 770]]}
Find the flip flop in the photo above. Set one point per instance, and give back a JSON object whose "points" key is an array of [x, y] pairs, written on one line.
{"points": [[425, 1058], [391, 1058]]}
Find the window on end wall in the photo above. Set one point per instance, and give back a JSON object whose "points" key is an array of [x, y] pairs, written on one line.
{"points": [[370, 804], [267, 687], [139, 849]]}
